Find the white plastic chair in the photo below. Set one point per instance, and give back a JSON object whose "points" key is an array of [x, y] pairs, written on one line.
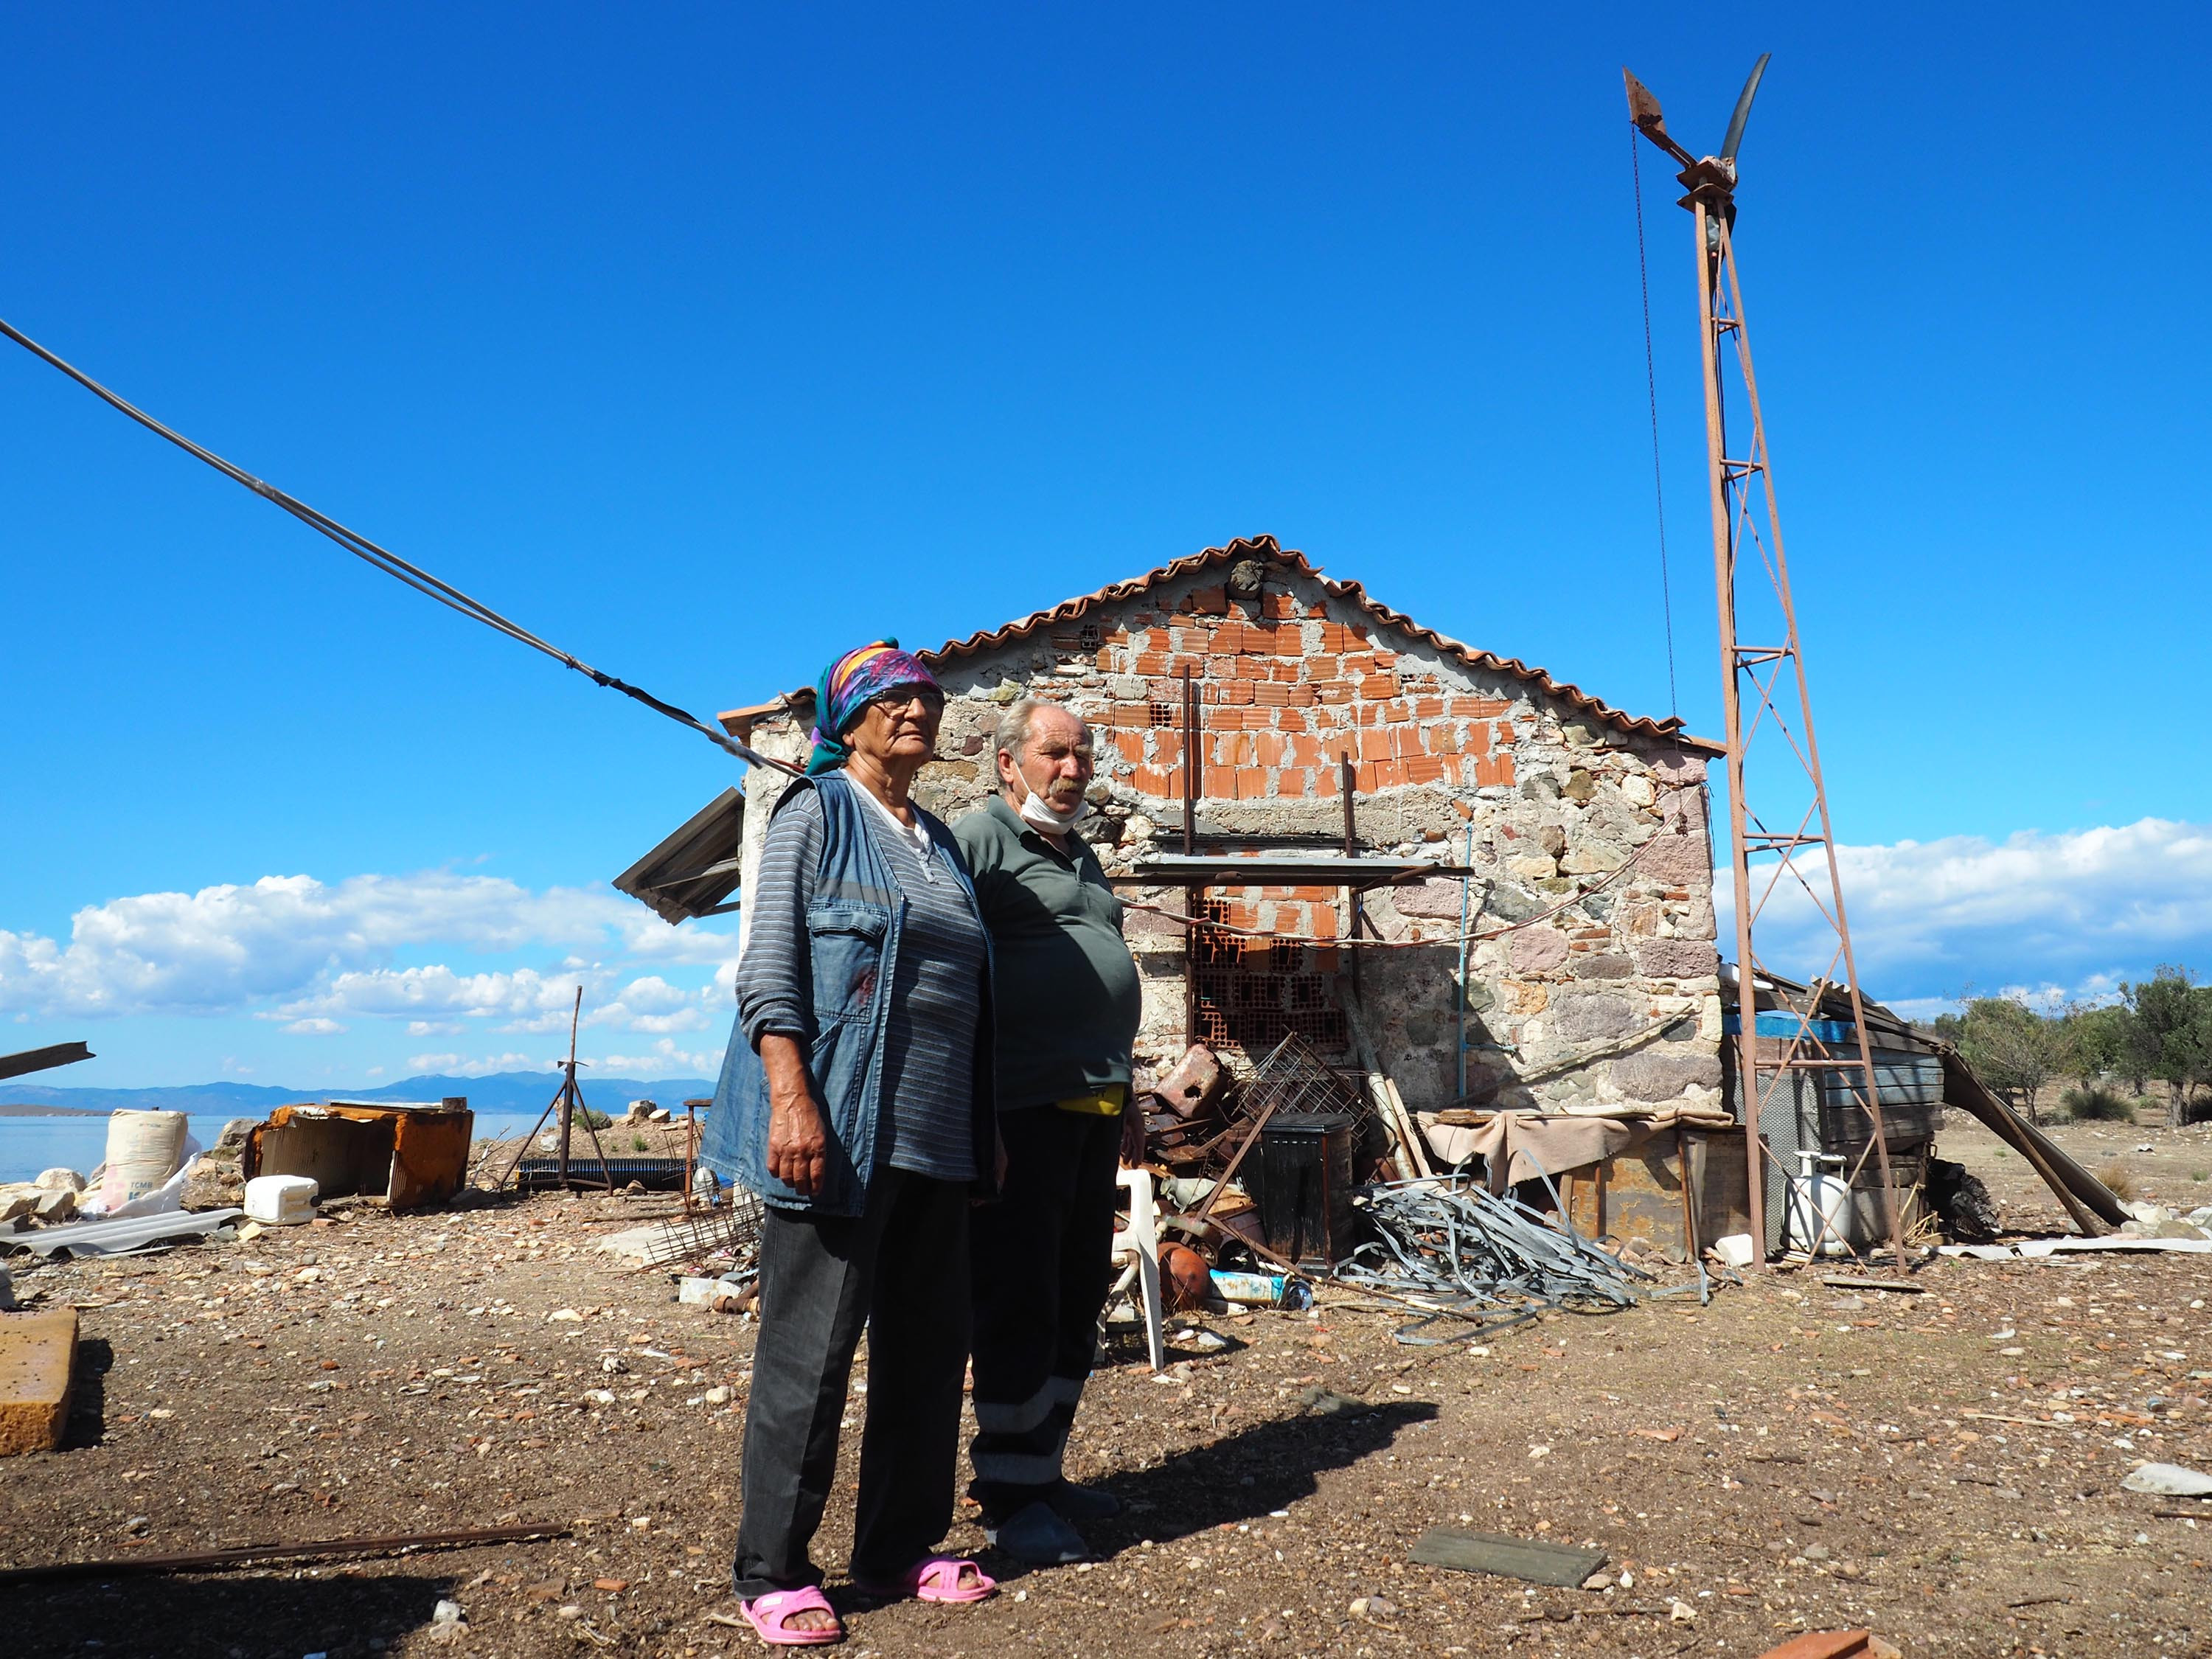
{"points": [[1140, 1242]]}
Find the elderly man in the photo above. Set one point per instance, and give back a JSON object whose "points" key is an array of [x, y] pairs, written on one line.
{"points": [[1066, 999]]}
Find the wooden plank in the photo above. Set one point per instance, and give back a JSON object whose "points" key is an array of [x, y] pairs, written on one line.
{"points": [[1559, 1565], [38, 1360]]}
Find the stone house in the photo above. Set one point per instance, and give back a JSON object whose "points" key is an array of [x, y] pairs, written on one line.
{"points": [[1584, 826]]}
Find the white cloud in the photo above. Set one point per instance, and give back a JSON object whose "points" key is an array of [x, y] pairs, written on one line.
{"points": [[2070, 913], [314, 1028], [463, 1066], [323, 949], [666, 1060]]}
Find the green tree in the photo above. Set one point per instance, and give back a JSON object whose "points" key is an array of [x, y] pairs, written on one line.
{"points": [[2097, 1040], [2171, 1034], [2013, 1047]]}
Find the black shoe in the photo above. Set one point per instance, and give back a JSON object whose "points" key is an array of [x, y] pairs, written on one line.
{"points": [[1038, 1537], [1072, 1502]]}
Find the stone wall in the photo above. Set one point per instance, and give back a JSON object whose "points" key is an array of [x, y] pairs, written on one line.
{"points": [[1614, 999]]}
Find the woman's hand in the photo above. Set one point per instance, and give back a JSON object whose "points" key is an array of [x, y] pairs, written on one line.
{"points": [[797, 1139]]}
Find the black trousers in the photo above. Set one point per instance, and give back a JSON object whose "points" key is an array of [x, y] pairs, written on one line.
{"points": [[1041, 1271], [900, 1270]]}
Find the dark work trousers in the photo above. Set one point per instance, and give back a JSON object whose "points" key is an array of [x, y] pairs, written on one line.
{"points": [[902, 1270], [1042, 1266]]}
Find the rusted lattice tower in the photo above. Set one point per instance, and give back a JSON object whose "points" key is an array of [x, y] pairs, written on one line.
{"points": [[1779, 833]]}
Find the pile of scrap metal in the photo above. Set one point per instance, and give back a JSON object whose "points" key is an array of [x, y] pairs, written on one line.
{"points": [[1260, 1171], [1484, 1263], [1187, 1115]]}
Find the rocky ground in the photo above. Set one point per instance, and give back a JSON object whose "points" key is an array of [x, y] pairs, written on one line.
{"points": [[1943, 1467]]}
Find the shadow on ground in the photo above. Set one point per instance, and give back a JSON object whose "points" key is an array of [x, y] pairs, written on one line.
{"points": [[257, 1615], [1247, 1474]]}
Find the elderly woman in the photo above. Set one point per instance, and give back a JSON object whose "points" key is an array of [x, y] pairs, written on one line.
{"points": [[856, 1100]]}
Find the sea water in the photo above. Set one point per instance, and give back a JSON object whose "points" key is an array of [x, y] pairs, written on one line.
{"points": [[28, 1145]]}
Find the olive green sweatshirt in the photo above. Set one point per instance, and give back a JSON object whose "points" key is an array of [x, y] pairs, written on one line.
{"points": [[1065, 988]]}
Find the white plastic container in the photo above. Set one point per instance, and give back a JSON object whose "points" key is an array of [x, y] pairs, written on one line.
{"points": [[281, 1200], [143, 1150]]}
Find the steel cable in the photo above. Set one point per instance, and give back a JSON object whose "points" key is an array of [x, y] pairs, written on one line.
{"points": [[389, 562]]}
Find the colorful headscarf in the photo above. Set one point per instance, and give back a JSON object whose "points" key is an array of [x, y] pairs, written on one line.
{"points": [[847, 686]]}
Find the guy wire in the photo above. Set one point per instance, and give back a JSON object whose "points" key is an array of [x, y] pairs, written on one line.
{"points": [[390, 563], [1651, 394]]}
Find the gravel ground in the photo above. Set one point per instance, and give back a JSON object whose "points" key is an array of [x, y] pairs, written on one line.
{"points": [[1944, 1468]]}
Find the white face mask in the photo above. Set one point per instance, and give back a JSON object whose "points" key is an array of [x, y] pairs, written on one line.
{"points": [[1039, 814]]}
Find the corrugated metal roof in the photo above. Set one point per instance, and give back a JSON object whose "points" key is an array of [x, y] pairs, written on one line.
{"points": [[739, 721], [696, 867]]}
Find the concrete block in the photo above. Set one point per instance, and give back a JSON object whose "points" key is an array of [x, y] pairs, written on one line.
{"points": [[38, 1361]]}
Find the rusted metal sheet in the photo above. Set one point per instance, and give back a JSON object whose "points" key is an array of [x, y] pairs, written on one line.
{"points": [[410, 1155], [1639, 1194]]}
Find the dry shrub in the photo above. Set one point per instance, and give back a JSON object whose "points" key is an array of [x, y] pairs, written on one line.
{"points": [[2097, 1105], [2117, 1181]]}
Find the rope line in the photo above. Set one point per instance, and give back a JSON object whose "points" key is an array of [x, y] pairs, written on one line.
{"points": [[1651, 394], [390, 563]]}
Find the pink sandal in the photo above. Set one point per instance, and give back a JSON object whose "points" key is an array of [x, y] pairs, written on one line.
{"points": [[937, 1579], [770, 1616]]}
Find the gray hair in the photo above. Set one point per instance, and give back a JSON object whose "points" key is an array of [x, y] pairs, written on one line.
{"points": [[1013, 733]]}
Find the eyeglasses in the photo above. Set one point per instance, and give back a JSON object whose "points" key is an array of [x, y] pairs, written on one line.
{"points": [[899, 699]]}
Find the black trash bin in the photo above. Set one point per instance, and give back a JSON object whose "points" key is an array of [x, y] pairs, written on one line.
{"points": [[1303, 1187]]}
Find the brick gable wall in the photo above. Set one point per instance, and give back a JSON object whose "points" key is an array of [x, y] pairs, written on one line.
{"points": [[1616, 998]]}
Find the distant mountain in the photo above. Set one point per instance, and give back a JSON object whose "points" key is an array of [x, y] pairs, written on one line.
{"points": [[502, 1091]]}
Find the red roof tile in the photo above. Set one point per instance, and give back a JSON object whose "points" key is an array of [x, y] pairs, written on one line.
{"points": [[1266, 547]]}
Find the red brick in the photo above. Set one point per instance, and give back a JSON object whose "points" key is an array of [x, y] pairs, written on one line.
{"points": [[1220, 783], [1294, 781], [1210, 601], [1149, 662], [1385, 660], [1292, 719], [1275, 695], [1251, 783], [1440, 738], [1268, 748], [1324, 780], [1357, 664], [1404, 741], [1235, 691], [1428, 709], [1424, 768], [1379, 686], [1304, 751], [1321, 665], [1494, 770], [1479, 709], [1321, 922], [1374, 746], [1366, 780], [1279, 605], [1388, 774], [1332, 691], [1131, 745], [1158, 784]]}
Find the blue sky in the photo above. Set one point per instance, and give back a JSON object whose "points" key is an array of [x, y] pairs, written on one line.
{"points": [[707, 340]]}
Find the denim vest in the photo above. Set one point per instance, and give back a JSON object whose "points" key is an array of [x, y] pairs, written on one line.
{"points": [[853, 924]]}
